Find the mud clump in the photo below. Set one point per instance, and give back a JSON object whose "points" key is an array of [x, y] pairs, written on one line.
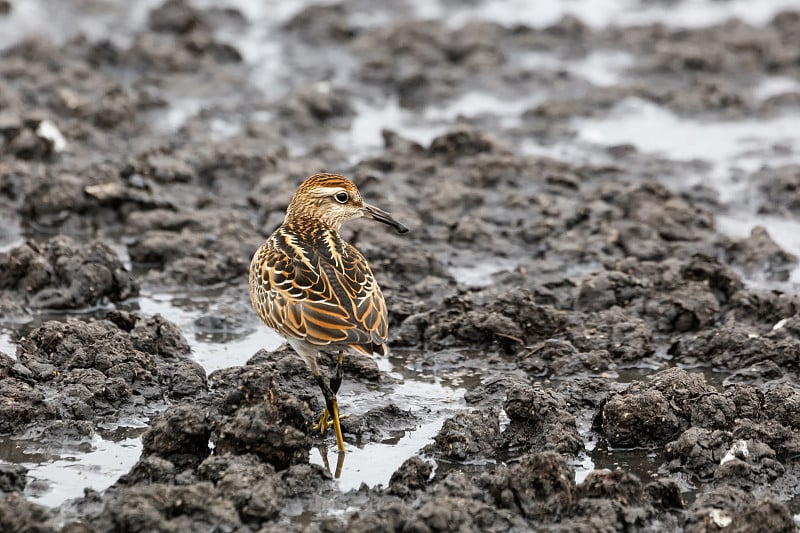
{"points": [[511, 320], [193, 251], [258, 413], [539, 486], [255, 430], [18, 514], [78, 370], [413, 474], [652, 413], [13, 478], [378, 423], [540, 420], [160, 507], [739, 346], [260, 452], [466, 436], [750, 453], [180, 436], [62, 274], [738, 510], [423, 61], [781, 189]]}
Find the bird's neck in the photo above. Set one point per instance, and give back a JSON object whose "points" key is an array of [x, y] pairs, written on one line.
{"points": [[312, 229], [300, 221], [316, 237]]}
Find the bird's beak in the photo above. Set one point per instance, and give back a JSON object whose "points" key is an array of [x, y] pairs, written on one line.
{"points": [[370, 211]]}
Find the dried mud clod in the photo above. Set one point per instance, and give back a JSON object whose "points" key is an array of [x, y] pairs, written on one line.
{"points": [[540, 420], [62, 274], [736, 510], [89, 371], [653, 412], [468, 435]]}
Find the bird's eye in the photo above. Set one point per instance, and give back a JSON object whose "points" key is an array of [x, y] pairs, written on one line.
{"points": [[341, 197]]}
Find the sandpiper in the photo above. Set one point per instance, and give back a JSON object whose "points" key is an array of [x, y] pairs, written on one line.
{"points": [[318, 291]]}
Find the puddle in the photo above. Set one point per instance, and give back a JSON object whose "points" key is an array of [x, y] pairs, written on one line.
{"points": [[734, 148], [603, 68], [107, 20], [601, 13], [10, 233], [359, 464], [213, 349], [585, 464], [59, 475], [7, 345], [651, 128], [480, 275], [639, 461], [474, 104], [364, 135], [374, 463], [775, 85]]}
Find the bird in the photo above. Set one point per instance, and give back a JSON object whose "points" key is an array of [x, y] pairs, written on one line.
{"points": [[318, 291]]}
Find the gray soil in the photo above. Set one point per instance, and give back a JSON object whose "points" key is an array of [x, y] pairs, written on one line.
{"points": [[589, 310]]}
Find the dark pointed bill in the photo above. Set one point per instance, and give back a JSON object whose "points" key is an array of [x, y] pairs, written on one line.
{"points": [[370, 211]]}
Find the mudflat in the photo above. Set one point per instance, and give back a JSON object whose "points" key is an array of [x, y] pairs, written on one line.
{"points": [[593, 319]]}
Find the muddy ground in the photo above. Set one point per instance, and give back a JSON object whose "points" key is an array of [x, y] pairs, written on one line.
{"points": [[597, 306]]}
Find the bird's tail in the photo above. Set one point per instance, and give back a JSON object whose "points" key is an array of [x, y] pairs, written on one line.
{"points": [[370, 348]]}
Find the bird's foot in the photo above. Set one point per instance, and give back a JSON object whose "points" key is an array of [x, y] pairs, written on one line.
{"points": [[325, 421]]}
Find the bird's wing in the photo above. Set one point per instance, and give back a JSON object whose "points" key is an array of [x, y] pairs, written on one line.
{"points": [[320, 297]]}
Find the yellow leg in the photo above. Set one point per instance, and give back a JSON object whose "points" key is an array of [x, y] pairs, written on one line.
{"points": [[331, 413], [337, 426]]}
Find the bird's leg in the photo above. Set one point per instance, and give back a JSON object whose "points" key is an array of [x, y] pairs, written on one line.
{"points": [[336, 381], [331, 410]]}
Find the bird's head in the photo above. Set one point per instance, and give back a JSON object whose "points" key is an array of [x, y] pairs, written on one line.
{"points": [[333, 200]]}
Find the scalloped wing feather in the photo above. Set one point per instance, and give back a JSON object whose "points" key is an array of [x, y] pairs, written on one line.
{"points": [[321, 291]]}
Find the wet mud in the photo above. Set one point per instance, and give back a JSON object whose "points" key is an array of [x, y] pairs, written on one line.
{"points": [[594, 321]]}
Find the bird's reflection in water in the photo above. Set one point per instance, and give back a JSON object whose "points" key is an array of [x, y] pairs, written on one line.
{"points": [[323, 452]]}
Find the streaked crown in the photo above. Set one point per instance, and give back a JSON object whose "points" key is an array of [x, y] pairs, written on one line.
{"points": [[328, 198]]}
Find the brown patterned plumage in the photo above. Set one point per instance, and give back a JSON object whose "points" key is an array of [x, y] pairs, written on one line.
{"points": [[315, 289]]}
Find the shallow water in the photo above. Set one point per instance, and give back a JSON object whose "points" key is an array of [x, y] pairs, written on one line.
{"points": [[731, 147], [59, 475], [374, 463], [108, 20], [600, 13], [728, 145], [7, 345], [213, 349]]}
